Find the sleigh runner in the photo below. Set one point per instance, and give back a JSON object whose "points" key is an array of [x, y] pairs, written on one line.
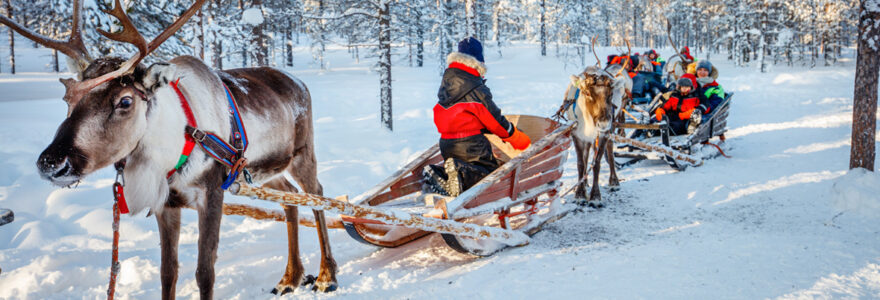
{"points": [[521, 195]]}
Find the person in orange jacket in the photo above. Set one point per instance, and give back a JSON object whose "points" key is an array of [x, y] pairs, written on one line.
{"points": [[463, 113], [682, 107]]}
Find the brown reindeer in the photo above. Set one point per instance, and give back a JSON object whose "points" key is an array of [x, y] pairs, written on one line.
{"points": [[124, 110], [595, 93]]}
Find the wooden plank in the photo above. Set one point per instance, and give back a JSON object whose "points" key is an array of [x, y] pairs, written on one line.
{"points": [[500, 204], [389, 216], [259, 213], [551, 152], [396, 193], [421, 160], [514, 180], [544, 166], [523, 186], [638, 126], [696, 161]]}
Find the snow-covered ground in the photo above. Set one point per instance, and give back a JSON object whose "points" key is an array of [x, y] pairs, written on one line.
{"points": [[782, 218]]}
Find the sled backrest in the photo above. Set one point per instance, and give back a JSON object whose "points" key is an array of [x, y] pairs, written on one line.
{"points": [[533, 126]]}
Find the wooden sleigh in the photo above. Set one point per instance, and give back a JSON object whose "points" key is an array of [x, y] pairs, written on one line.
{"points": [[679, 151], [521, 195]]}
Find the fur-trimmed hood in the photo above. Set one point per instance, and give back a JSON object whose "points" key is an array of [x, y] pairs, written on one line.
{"points": [[467, 60]]}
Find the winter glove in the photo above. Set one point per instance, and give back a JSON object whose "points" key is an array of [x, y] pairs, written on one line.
{"points": [[658, 114], [519, 140], [686, 114]]}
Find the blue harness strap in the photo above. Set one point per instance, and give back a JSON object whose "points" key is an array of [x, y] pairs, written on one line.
{"points": [[230, 154]]}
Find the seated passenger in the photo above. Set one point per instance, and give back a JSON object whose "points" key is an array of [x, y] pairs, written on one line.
{"points": [[465, 111], [680, 109], [710, 92], [656, 60], [686, 55]]}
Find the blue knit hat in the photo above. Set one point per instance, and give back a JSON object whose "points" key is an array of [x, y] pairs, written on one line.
{"points": [[472, 47], [704, 64]]}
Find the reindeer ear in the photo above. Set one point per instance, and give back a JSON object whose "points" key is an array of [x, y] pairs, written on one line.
{"points": [[157, 75], [68, 82], [574, 80]]}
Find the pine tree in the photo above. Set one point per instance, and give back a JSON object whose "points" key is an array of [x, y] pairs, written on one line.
{"points": [[865, 91]]}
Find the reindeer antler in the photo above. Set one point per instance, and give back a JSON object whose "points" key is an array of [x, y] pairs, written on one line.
{"points": [[593, 46], [129, 34], [625, 61], [73, 47]]}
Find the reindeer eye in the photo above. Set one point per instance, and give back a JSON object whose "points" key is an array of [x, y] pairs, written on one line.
{"points": [[124, 103]]}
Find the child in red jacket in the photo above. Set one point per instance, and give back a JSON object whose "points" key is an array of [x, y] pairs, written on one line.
{"points": [[463, 113], [681, 107]]}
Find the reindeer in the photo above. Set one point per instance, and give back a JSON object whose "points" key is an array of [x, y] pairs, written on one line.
{"points": [[590, 101], [121, 110]]}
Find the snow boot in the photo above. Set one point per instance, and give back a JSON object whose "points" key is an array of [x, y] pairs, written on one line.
{"points": [[434, 180], [453, 180]]}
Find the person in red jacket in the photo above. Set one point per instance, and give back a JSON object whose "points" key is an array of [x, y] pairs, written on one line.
{"points": [[686, 53], [464, 112], [682, 106]]}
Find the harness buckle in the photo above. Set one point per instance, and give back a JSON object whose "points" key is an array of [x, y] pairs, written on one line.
{"points": [[198, 135]]}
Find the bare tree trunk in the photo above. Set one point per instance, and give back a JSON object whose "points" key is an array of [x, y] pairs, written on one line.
{"points": [[865, 91], [496, 35], [201, 35], [607, 30], [218, 54], [543, 28], [288, 43], [470, 14], [420, 47], [261, 55], [385, 64], [11, 38]]}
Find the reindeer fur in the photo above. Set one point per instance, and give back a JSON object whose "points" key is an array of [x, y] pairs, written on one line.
{"points": [[276, 110], [594, 113]]}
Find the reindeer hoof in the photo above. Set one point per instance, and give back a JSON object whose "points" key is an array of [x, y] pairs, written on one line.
{"points": [[325, 287], [281, 290], [308, 280], [595, 204]]}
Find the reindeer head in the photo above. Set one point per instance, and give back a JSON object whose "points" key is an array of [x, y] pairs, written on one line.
{"points": [[103, 125], [107, 108], [595, 87]]}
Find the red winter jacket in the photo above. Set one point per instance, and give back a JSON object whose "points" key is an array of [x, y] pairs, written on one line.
{"points": [[465, 106], [682, 106], [686, 52]]}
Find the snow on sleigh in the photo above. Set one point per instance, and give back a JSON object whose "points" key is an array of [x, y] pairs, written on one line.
{"points": [[520, 196], [679, 151]]}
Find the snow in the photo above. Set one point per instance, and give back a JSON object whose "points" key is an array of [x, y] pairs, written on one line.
{"points": [[858, 191], [782, 218], [253, 16]]}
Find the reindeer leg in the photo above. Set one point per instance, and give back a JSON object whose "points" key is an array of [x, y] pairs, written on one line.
{"points": [[613, 181], [595, 193], [306, 175], [579, 192], [169, 235], [209, 237], [293, 273], [326, 281]]}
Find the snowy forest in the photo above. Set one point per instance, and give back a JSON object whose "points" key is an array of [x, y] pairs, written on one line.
{"points": [[261, 32], [134, 178], [230, 34]]}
